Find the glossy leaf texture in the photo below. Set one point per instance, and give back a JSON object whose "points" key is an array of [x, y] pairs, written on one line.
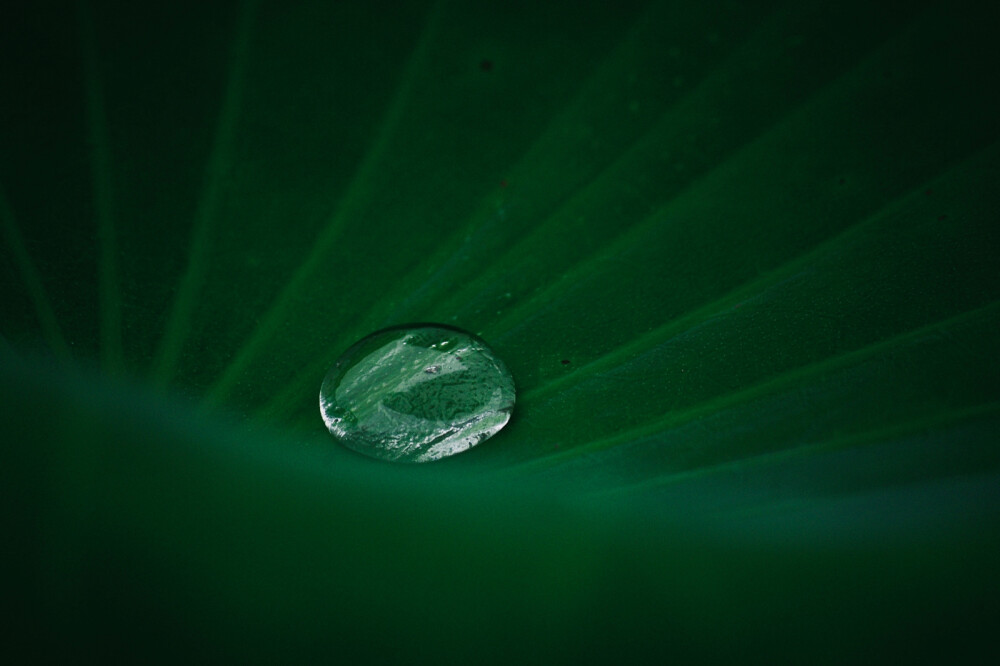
{"points": [[740, 258]]}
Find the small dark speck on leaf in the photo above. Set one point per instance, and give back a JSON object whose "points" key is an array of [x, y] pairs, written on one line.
{"points": [[942, 218], [565, 361], [928, 191], [842, 181], [486, 65], [503, 182]]}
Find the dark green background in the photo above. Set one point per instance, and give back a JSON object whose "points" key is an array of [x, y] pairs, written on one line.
{"points": [[740, 257]]}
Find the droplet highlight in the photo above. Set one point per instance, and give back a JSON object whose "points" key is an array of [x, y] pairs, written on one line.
{"points": [[416, 394]]}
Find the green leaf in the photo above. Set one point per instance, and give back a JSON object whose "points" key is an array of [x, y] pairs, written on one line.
{"points": [[739, 257]]}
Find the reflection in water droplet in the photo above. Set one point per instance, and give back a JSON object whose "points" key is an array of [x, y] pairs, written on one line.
{"points": [[416, 394]]}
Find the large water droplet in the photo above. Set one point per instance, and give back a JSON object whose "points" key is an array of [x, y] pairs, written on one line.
{"points": [[416, 394]]}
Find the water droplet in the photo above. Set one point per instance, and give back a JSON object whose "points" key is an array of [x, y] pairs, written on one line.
{"points": [[416, 394]]}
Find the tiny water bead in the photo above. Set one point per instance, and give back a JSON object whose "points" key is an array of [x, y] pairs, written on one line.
{"points": [[416, 394]]}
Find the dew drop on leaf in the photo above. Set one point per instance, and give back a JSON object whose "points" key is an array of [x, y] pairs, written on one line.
{"points": [[416, 394]]}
